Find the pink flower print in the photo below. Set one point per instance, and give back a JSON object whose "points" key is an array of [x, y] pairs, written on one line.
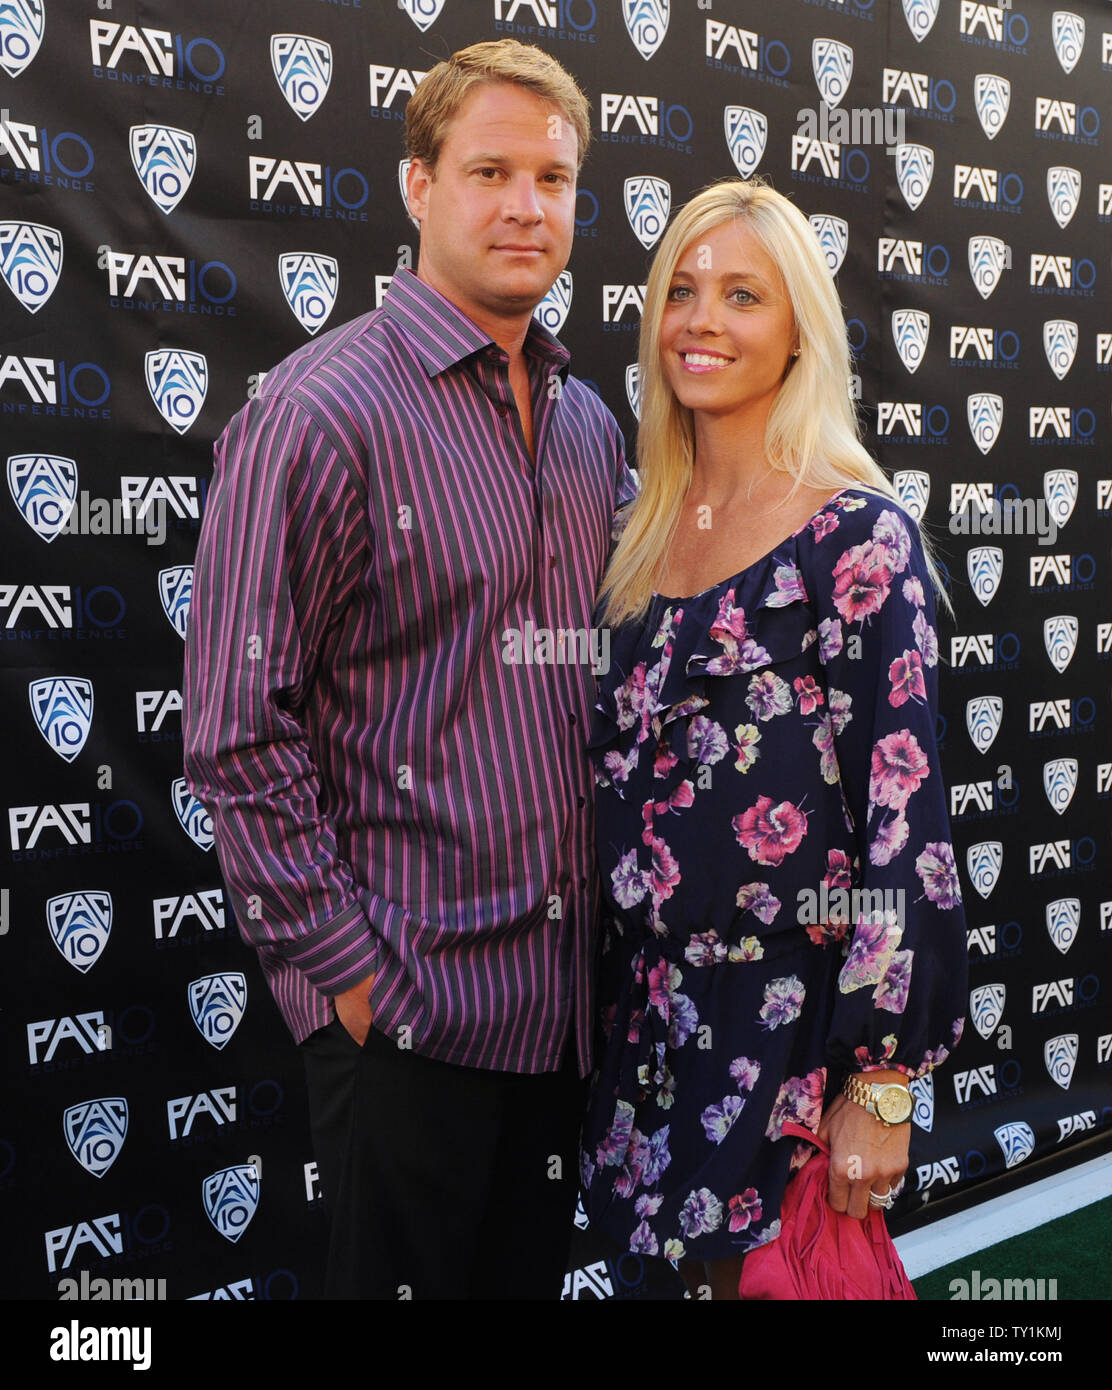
{"points": [[744, 1208], [839, 869], [783, 999], [631, 699], [861, 579], [823, 739], [664, 979], [891, 533], [768, 696], [630, 884], [618, 767], [799, 1100], [718, 1120], [839, 706], [913, 591], [888, 841], [891, 993], [899, 765], [830, 638], [612, 1150], [874, 944], [700, 1214], [810, 694], [906, 675], [757, 899], [748, 736], [680, 798], [789, 587], [706, 740], [926, 639], [823, 525], [935, 866], [770, 832], [664, 761], [731, 631], [745, 1072]]}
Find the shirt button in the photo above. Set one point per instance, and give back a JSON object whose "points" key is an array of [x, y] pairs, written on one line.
{"points": [[581, 801], [572, 719], [552, 561], [502, 410], [582, 883]]}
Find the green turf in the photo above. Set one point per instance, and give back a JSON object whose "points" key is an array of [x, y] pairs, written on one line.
{"points": [[1075, 1250]]}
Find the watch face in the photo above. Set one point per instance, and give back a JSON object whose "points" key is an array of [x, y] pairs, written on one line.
{"points": [[894, 1104]]}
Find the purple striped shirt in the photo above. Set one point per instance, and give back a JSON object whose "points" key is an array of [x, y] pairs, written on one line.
{"points": [[389, 794]]}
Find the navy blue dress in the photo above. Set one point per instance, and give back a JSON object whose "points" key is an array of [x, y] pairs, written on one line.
{"points": [[775, 848]]}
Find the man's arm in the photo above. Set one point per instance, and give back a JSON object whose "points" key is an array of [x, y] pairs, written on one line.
{"points": [[281, 550]]}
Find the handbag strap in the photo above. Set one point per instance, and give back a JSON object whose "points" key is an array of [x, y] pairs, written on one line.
{"points": [[791, 1129]]}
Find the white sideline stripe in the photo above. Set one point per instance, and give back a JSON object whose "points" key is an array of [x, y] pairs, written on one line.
{"points": [[966, 1232]]}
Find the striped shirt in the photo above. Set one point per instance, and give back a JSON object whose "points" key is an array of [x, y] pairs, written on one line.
{"points": [[395, 788]]}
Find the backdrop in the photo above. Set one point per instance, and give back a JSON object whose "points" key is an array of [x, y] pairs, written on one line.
{"points": [[188, 192]]}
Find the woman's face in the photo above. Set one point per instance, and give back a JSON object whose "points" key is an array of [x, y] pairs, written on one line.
{"points": [[727, 330]]}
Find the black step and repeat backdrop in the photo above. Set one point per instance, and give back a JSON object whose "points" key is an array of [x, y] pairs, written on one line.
{"points": [[188, 192]]}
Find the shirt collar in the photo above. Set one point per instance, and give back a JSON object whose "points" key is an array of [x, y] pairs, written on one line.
{"points": [[443, 336]]}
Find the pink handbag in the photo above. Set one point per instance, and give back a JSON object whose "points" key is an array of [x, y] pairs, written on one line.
{"points": [[820, 1252]]}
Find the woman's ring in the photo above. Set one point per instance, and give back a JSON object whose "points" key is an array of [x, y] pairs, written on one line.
{"points": [[882, 1199]]}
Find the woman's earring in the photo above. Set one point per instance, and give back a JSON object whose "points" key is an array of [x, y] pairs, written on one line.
{"points": [[795, 353]]}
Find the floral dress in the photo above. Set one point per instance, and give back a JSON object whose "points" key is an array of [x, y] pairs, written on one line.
{"points": [[774, 844]]}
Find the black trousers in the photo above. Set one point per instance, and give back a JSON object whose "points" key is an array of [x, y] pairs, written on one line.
{"points": [[441, 1181]]}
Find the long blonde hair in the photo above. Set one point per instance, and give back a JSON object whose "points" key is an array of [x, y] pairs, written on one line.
{"points": [[812, 430]]}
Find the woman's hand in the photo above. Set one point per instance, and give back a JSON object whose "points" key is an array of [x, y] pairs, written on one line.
{"points": [[865, 1155]]}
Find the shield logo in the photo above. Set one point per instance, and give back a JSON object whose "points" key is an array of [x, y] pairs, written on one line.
{"points": [[985, 413], [746, 136], [833, 235], [1063, 192], [922, 1092], [648, 201], [913, 488], [231, 1196], [646, 23], [303, 69], [175, 589], [1060, 640], [1060, 782], [216, 1004], [982, 719], [95, 1132], [424, 13], [633, 388], [920, 16], [21, 28], [553, 309], [63, 710], [986, 1008], [1016, 1140], [985, 565], [992, 96], [983, 863], [178, 383], [1068, 32], [832, 64], [911, 329], [310, 283], [30, 261], [192, 816], [80, 924], [44, 488], [1062, 921], [988, 256], [1060, 345], [164, 158], [1060, 491], [1060, 1056], [914, 171]]}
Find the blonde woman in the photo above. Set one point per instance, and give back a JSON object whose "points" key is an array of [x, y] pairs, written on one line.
{"points": [[787, 939]]}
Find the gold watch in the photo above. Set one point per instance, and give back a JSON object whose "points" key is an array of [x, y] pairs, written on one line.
{"points": [[890, 1102]]}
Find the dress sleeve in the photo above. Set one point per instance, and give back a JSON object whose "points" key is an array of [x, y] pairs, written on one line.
{"points": [[279, 554], [902, 986]]}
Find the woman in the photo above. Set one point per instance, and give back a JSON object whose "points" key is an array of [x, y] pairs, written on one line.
{"points": [[772, 823]]}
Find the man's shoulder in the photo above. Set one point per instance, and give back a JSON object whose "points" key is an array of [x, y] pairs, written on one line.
{"points": [[346, 355]]}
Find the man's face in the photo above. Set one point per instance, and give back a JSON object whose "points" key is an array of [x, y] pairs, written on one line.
{"points": [[498, 219]]}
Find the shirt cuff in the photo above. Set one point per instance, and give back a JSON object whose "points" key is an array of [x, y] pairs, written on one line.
{"points": [[338, 954]]}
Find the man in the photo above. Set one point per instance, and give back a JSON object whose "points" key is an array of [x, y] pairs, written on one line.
{"points": [[403, 818]]}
